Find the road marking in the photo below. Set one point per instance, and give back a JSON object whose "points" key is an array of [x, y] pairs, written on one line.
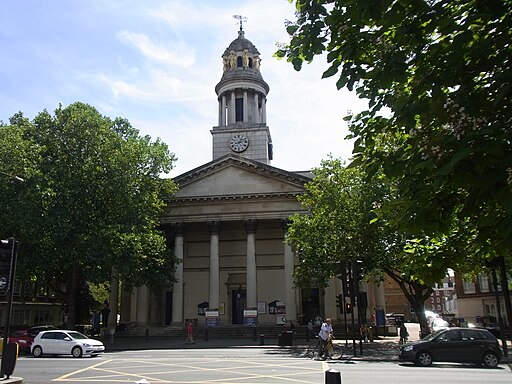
{"points": [[64, 377], [239, 371]]}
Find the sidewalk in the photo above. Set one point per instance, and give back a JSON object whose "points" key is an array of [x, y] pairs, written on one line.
{"points": [[384, 349]]}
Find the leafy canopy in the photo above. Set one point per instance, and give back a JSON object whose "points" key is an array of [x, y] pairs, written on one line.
{"points": [[90, 201], [437, 76]]}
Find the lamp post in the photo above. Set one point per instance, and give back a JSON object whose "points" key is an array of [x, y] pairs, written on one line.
{"points": [[7, 284], [14, 177], [11, 246]]}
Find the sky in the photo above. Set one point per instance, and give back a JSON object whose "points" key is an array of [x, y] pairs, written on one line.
{"points": [[156, 63]]}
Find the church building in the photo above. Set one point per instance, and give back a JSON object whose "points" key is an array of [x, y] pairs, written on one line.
{"points": [[228, 221]]}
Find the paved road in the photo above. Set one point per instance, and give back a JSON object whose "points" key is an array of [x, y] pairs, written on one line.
{"points": [[241, 366]]}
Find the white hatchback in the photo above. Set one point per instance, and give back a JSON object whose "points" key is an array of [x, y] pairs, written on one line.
{"points": [[62, 342]]}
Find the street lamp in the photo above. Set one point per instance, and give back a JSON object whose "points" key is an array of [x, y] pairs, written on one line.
{"points": [[14, 177]]}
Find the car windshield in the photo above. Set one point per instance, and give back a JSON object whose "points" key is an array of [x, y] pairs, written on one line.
{"points": [[77, 335], [433, 334]]}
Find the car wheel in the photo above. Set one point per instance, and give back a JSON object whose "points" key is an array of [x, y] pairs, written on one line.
{"points": [[37, 351], [76, 352], [424, 359], [490, 360]]}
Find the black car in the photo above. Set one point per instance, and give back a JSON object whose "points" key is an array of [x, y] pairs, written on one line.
{"points": [[454, 345]]}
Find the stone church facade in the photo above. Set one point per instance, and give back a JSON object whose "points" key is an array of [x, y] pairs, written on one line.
{"points": [[228, 221]]}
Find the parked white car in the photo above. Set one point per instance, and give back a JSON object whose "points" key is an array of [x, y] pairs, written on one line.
{"points": [[62, 342]]}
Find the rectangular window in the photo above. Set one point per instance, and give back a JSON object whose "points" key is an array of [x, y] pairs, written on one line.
{"points": [[483, 280], [469, 287], [42, 317]]}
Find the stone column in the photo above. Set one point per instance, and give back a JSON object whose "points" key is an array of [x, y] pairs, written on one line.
{"points": [[252, 287], [214, 264], [264, 110], [223, 122], [232, 109], [380, 296], [257, 118], [220, 112], [177, 290], [113, 299], [289, 261], [245, 107], [142, 305]]}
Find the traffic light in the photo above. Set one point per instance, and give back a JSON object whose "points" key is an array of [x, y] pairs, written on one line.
{"points": [[348, 308], [339, 301], [7, 249], [358, 271]]}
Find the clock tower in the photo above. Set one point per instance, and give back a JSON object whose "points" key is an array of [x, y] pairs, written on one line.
{"points": [[242, 97]]}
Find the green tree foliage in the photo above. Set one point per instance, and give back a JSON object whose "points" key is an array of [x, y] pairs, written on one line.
{"points": [[90, 201], [437, 75], [342, 226]]}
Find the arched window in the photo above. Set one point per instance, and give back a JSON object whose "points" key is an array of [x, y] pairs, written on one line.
{"points": [[250, 62], [239, 61]]}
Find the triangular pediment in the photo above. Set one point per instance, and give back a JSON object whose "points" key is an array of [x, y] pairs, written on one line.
{"points": [[234, 176]]}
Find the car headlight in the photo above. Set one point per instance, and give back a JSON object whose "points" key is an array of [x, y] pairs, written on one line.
{"points": [[407, 348], [86, 345]]}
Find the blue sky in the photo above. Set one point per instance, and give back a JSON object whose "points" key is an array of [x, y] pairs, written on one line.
{"points": [[156, 63]]}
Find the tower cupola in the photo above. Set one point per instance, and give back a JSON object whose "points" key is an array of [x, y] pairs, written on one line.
{"points": [[242, 98]]}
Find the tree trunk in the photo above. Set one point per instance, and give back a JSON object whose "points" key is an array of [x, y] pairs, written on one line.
{"points": [[71, 298], [416, 294]]}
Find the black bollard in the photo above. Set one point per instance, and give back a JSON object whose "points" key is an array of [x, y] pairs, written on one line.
{"points": [[147, 335], [262, 339], [254, 334], [332, 376], [9, 356]]}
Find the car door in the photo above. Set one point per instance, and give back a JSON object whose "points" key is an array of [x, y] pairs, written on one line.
{"points": [[48, 342], [472, 341], [62, 343], [447, 346]]}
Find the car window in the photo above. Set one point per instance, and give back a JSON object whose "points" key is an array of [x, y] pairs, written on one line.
{"points": [[473, 334], [77, 335], [450, 335], [61, 335], [49, 335]]}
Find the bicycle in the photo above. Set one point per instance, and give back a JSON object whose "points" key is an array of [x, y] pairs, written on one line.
{"points": [[335, 353]]}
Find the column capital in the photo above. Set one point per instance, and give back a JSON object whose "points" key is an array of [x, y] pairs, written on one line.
{"points": [[178, 228], [214, 227], [250, 225], [285, 223]]}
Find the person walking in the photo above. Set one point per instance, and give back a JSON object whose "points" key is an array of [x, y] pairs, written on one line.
{"points": [[325, 335], [404, 334], [190, 336]]}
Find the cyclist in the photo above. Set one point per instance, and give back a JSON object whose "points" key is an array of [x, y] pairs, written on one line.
{"points": [[325, 334]]}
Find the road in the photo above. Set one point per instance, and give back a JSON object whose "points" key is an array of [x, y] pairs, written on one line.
{"points": [[240, 366]]}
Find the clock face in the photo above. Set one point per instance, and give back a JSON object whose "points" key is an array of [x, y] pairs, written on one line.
{"points": [[239, 143]]}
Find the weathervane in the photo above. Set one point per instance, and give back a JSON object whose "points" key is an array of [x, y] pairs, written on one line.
{"points": [[240, 18]]}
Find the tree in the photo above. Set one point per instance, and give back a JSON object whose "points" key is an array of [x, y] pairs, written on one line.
{"points": [[437, 75], [91, 201], [342, 226]]}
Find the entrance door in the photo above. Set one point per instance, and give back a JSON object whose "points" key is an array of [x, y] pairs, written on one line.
{"points": [[168, 307], [310, 304], [238, 303]]}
